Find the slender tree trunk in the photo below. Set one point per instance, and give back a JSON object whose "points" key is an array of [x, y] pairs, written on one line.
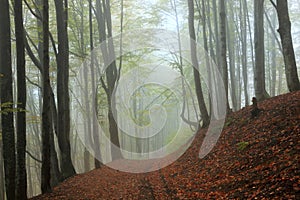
{"points": [[200, 98], [243, 20], [223, 51], [259, 72], [46, 113], [238, 75], [67, 168], [7, 120], [273, 59], [21, 190], [95, 133], [216, 27], [107, 49], [245, 4], [287, 46], [230, 37], [56, 176], [210, 33]]}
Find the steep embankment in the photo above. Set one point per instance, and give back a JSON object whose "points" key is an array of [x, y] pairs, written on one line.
{"points": [[254, 159]]}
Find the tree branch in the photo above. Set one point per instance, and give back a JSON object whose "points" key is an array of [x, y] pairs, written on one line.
{"points": [[34, 158], [273, 32], [34, 59], [32, 12], [33, 83], [272, 2]]}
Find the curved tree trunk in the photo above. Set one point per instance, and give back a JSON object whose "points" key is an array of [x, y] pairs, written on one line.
{"points": [[287, 46], [200, 98]]}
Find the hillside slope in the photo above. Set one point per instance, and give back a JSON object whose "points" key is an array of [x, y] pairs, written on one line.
{"points": [[254, 159]]}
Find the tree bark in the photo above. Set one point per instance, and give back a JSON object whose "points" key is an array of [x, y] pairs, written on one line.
{"points": [[259, 69], [46, 113], [96, 146], [200, 98], [21, 190], [243, 21], [63, 116], [107, 49], [230, 37], [223, 51], [7, 121], [273, 59], [287, 46]]}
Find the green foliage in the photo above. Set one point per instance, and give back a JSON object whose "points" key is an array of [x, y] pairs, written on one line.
{"points": [[242, 145], [8, 107]]}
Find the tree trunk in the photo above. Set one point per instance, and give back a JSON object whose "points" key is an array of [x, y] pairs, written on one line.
{"points": [[30, 186], [95, 130], [200, 98], [2, 188], [259, 69], [230, 37], [21, 190], [63, 127], [216, 27], [273, 59], [56, 176], [46, 109], [7, 121], [246, 12], [287, 46], [243, 21], [223, 60], [107, 49]]}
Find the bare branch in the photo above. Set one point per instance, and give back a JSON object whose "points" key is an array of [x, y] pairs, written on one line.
{"points": [[32, 12], [272, 2], [33, 83], [273, 32], [34, 59], [33, 157]]}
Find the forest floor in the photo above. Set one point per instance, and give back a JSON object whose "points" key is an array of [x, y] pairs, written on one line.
{"points": [[254, 159]]}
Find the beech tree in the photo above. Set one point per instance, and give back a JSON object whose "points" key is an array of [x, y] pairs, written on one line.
{"points": [[21, 190], [287, 45], [259, 68], [6, 92], [63, 101], [223, 55], [199, 93], [46, 114], [107, 48]]}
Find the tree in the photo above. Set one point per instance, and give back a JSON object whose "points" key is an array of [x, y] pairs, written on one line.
{"points": [[223, 58], [21, 190], [7, 120], [94, 97], [243, 21], [46, 114], [232, 47], [107, 48], [259, 68], [195, 64], [56, 176], [287, 45], [63, 102]]}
